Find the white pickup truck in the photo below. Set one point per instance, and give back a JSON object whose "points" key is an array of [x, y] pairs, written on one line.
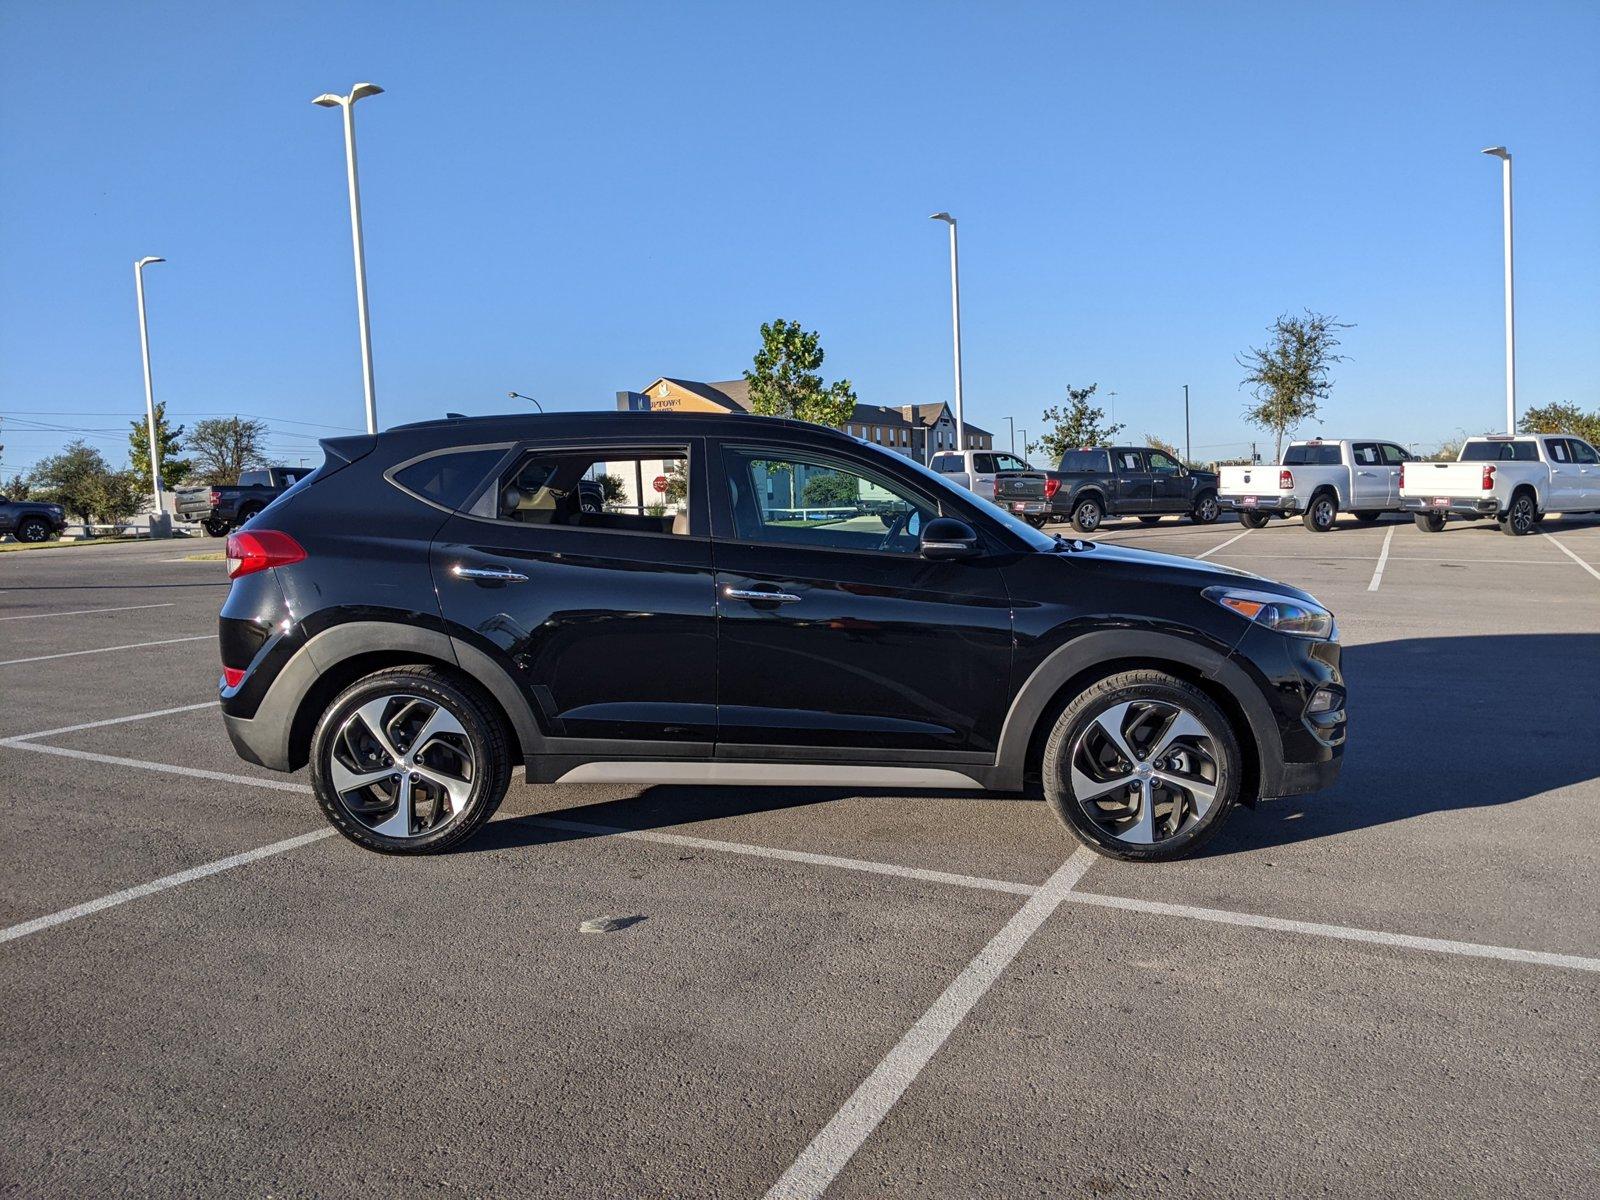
{"points": [[975, 469], [1513, 480], [1317, 480]]}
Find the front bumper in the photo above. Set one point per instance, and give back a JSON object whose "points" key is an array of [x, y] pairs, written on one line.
{"points": [[1290, 673], [1281, 506], [1460, 506]]}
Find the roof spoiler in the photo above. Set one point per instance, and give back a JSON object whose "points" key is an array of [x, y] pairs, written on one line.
{"points": [[342, 451]]}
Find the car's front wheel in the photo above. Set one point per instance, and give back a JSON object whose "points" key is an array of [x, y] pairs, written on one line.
{"points": [[33, 529], [409, 761], [1087, 514], [1142, 766], [214, 528], [1149, 520]]}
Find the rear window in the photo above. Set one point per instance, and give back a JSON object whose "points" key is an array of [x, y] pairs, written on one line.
{"points": [[1084, 460], [948, 463], [1499, 452], [450, 479], [1312, 456], [254, 478]]}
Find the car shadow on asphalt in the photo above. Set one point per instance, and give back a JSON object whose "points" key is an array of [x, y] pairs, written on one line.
{"points": [[1445, 724]]}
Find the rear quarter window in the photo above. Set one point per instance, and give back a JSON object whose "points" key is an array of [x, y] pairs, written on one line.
{"points": [[451, 479]]}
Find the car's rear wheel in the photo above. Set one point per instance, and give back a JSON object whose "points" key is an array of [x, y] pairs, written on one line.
{"points": [[1206, 509], [1320, 513], [1366, 516], [1429, 522], [33, 529], [1521, 517], [1087, 514], [1038, 521], [409, 761], [1142, 766], [1148, 520], [215, 528], [1254, 520]]}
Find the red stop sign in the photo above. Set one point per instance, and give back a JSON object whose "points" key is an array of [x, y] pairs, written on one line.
{"points": [[659, 483]]}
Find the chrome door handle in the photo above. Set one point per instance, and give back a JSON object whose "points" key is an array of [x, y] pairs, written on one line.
{"points": [[495, 574], [733, 593]]}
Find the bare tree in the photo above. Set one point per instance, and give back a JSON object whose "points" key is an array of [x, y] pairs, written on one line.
{"points": [[225, 446], [1291, 375]]}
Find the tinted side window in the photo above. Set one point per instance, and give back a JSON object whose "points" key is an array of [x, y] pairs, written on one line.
{"points": [[1393, 454], [1160, 463], [983, 463], [1582, 451], [449, 480], [1557, 449], [614, 489], [1128, 460], [779, 496], [1365, 454]]}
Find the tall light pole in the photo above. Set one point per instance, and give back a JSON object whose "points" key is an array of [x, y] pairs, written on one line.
{"points": [[955, 320], [158, 523], [1024, 445], [348, 103], [1188, 455], [1012, 426], [1504, 156]]}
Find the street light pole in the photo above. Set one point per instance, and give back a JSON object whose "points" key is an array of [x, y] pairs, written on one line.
{"points": [[1188, 455], [955, 321], [348, 103], [529, 399], [1012, 426], [1504, 156], [157, 518], [1024, 445]]}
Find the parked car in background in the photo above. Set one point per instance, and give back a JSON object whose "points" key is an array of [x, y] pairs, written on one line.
{"points": [[434, 609], [32, 520], [1316, 481], [1115, 481], [227, 506], [975, 469], [1512, 480]]}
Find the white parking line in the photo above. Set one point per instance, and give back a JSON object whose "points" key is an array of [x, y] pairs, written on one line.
{"points": [[78, 612], [1342, 932], [1572, 556], [113, 760], [11, 662], [1224, 545], [821, 1161], [159, 885], [1383, 557], [159, 712]]}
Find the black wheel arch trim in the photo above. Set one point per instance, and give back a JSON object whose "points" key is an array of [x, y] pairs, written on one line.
{"points": [[1091, 650]]}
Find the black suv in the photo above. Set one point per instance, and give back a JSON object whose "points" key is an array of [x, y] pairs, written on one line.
{"points": [[758, 601]]}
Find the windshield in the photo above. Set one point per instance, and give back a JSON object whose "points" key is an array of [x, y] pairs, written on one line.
{"points": [[940, 486]]}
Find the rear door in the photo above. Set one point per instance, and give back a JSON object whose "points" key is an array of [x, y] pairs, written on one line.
{"points": [[1135, 488], [606, 621], [835, 635], [1369, 477]]}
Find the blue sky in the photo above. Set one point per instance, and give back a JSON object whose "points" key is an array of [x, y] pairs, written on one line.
{"points": [[570, 199]]}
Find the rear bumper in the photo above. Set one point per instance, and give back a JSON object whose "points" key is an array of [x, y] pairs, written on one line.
{"points": [[1024, 508], [1461, 506], [1283, 506]]}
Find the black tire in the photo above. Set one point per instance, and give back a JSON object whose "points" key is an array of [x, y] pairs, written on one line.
{"points": [[214, 528], [1161, 689], [1149, 520], [1037, 522], [1087, 514], [1366, 517], [247, 513], [1429, 522], [1521, 517], [1321, 512], [483, 732], [1206, 509], [1538, 518], [33, 529], [1254, 520]]}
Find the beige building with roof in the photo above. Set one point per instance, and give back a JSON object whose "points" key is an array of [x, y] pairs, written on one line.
{"points": [[916, 430]]}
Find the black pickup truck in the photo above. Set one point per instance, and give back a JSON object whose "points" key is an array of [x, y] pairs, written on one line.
{"points": [[227, 506], [31, 521], [1113, 481]]}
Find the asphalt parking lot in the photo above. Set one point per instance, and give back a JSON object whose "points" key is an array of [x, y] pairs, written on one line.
{"points": [[1391, 988]]}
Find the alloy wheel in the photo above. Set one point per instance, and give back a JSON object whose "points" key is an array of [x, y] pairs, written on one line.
{"points": [[1322, 513], [403, 766], [1522, 515], [1208, 511], [1087, 518], [1145, 771]]}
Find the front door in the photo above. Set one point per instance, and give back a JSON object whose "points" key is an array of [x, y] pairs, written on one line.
{"points": [[1588, 472], [834, 632], [1135, 485], [1169, 484], [606, 620], [1393, 457], [1566, 482]]}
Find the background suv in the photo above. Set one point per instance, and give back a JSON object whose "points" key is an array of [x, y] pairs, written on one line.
{"points": [[760, 602]]}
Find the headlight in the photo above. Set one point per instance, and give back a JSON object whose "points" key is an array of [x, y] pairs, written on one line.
{"points": [[1300, 618]]}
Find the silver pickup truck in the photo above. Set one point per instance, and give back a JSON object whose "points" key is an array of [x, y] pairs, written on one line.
{"points": [[1512, 480], [1318, 480]]}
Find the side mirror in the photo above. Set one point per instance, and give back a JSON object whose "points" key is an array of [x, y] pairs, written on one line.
{"points": [[945, 538]]}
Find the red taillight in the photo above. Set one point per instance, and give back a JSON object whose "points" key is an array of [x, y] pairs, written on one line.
{"points": [[1402, 474], [258, 549], [1285, 480], [1488, 478], [216, 497], [1051, 487], [232, 677], [995, 484]]}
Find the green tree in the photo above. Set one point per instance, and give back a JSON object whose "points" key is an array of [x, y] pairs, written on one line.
{"points": [[16, 488], [113, 497], [832, 488], [1290, 375], [611, 488], [1166, 447], [223, 447], [72, 478], [785, 382], [1075, 425], [169, 439], [1562, 418], [677, 477]]}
